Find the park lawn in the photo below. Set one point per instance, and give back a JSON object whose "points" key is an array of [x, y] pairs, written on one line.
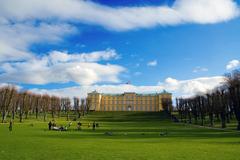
{"points": [[135, 135]]}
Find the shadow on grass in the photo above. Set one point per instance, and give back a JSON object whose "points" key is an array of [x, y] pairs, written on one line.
{"points": [[139, 125], [185, 133], [127, 116]]}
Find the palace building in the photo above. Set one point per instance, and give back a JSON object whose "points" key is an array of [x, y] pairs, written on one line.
{"points": [[130, 101]]}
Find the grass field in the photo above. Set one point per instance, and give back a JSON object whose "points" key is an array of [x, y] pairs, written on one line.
{"points": [[136, 135]]}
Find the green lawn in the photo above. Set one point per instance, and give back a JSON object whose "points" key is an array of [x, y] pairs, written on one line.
{"points": [[136, 135]]}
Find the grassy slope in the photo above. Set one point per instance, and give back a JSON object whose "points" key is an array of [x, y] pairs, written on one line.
{"points": [[135, 136]]}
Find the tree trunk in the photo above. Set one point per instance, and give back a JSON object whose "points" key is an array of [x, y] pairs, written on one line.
{"points": [[36, 113], [237, 114], [228, 117], [190, 117], [26, 115], [238, 126], [67, 116], [20, 116], [223, 120], [44, 116], [202, 120], [217, 116], [195, 119], [52, 115], [211, 119], [3, 115], [13, 114]]}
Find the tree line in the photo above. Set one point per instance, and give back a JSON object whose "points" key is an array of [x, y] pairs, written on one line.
{"points": [[16, 104], [221, 104]]}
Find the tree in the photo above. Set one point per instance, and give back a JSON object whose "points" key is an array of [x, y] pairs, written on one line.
{"points": [[22, 101], [77, 106], [233, 82], [45, 103], [83, 106], [37, 104], [66, 102], [210, 109], [27, 104], [6, 97]]}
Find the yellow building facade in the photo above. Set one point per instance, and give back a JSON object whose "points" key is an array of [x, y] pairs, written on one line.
{"points": [[130, 101]]}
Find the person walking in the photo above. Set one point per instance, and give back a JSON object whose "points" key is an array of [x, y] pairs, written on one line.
{"points": [[94, 125], [79, 125], [10, 125]]}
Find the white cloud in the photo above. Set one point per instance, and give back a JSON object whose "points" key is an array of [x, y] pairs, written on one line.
{"points": [[61, 67], [81, 91], [233, 64], [152, 63], [137, 73], [120, 18], [190, 87], [19, 28], [15, 39], [200, 69], [7, 85], [182, 88], [206, 11], [57, 56]]}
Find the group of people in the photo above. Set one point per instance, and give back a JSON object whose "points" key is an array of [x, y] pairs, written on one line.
{"points": [[52, 125], [94, 125]]}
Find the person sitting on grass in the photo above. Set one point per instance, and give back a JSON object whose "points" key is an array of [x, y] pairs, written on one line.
{"points": [[69, 125], [54, 123], [61, 128]]}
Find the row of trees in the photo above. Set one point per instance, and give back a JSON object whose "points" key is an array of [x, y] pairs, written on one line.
{"points": [[221, 104], [22, 104]]}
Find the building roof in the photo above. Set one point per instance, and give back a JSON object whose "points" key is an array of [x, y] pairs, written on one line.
{"points": [[137, 94]]}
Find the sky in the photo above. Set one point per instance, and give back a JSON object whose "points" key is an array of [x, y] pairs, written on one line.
{"points": [[72, 47]]}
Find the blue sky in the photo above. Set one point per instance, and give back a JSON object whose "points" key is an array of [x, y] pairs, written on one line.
{"points": [[183, 46]]}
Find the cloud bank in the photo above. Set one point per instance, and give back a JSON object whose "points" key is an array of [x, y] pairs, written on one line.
{"points": [[27, 22], [184, 88], [60, 67], [120, 18]]}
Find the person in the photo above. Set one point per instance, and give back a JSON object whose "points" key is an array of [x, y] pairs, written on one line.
{"points": [[61, 128], [94, 125], [50, 125], [54, 123], [79, 125], [89, 125], [10, 125]]}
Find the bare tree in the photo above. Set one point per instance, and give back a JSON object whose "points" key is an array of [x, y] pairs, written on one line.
{"points": [[233, 82], [6, 97], [45, 103], [77, 106]]}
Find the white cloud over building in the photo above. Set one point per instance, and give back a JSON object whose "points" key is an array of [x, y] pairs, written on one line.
{"points": [[233, 64]]}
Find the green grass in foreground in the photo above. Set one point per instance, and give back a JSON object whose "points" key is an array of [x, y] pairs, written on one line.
{"points": [[136, 135]]}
